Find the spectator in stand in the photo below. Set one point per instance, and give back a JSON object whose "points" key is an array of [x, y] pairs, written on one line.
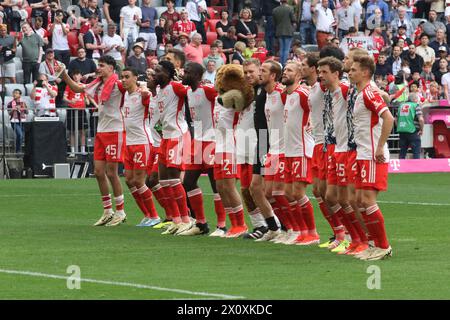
{"points": [[235, 6], [299, 55], [18, 111], [47, 67], [137, 61], [162, 35], [38, 23], [432, 25], [93, 42], [445, 82], [239, 48], [85, 27], [307, 26], [447, 23], [39, 9], [415, 61], [401, 20], [426, 74], [219, 45], [77, 104], [147, 27], [8, 49], [426, 52], [223, 24], [246, 28], [54, 8], [410, 124], [261, 52], [372, 5], [346, 18], [92, 8], [434, 94], [415, 88], [398, 90], [183, 41], [113, 45], [197, 12], [418, 32], [395, 60], [250, 50], [194, 51], [83, 5], [112, 8], [153, 63], [442, 54], [12, 10], [130, 19], [43, 95], [382, 68], [215, 56], [171, 15], [210, 74], [439, 41], [324, 21], [402, 36], [86, 66], [443, 69], [228, 43], [184, 25], [58, 31], [32, 45], [284, 21]]}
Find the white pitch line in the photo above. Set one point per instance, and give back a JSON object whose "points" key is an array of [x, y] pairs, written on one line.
{"points": [[121, 284]]}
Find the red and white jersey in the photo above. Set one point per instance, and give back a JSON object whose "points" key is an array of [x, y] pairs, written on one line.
{"points": [[369, 106], [245, 136], [184, 26], [154, 117], [44, 102], [316, 103], [274, 109], [224, 123], [298, 142], [170, 100], [340, 107], [110, 116], [137, 125], [201, 106]]}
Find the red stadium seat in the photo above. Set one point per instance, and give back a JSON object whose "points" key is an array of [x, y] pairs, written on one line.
{"points": [[212, 13], [72, 38], [212, 25], [206, 50], [29, 9], [211, 37]]}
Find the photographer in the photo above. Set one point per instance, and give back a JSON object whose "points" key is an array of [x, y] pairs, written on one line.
{"points": [[7, 53], [43, 95], [18, 115]]}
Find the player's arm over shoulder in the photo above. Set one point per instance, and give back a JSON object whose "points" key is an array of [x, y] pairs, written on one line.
{"points": [[210, 92], [374, 102], [179, 89]]}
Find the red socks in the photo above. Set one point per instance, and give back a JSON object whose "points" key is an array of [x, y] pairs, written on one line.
{"points": [[220, 211], [180, 196], [139, 202], [158, 192], [308, 215], [298, 216], [196, 201], [283, 204], [171, 205], [239, 214], [326, 212], [232, 216], [375, 224], [107, 202], [351, 216], [147, 199], [280, 214]]}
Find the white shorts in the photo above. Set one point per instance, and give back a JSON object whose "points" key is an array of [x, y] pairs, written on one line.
{"points": [[150, 40], [9, 69]]}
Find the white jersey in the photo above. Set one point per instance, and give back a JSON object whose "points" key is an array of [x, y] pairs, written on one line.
{"points": [[316, 105], [201, 106], [130, 16], [245, 136], [340, 109], [274, 109], [154, 115], [137, 125], [170, 100], [369, 106], [298, 142], [59, 39], [224, 122], [110, 116]]}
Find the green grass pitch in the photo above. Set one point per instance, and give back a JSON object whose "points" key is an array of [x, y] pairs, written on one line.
{"points": [[46, 226]]}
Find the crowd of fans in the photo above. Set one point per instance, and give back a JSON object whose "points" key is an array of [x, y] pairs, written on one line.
{"points": [[408, 38]]}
